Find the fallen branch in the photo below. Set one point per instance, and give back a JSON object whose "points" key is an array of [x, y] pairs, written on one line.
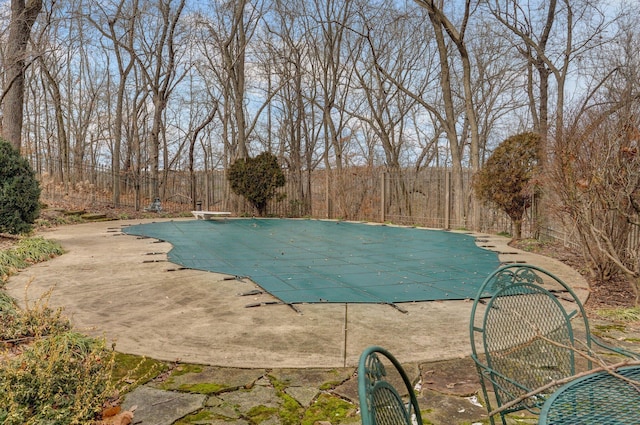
{"points": [[10, 236], [608, 368]]}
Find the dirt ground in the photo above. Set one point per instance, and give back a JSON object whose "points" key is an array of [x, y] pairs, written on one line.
{"points": [[616, 292]]}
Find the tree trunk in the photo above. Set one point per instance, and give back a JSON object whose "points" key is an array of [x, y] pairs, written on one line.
{"points": [[517, 229], [449, 124], [23, 15], [236, 62]]}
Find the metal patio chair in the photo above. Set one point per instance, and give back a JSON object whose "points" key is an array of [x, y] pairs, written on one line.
{"points": [[380, 402], [527, 329]]}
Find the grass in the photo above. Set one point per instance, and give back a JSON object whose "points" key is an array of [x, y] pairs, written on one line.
{"points": [[259, 414], [10, 264], [203, 388], [37, 249], [329, 408], [624, 314], [184, 369], [129, 371], [602, 331], [26, 252]]}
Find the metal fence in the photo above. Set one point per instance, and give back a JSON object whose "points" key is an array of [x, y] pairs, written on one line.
{"points": [[360, 194]]}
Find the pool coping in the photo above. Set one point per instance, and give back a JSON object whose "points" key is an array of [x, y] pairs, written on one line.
{"points": [[122, 287]]}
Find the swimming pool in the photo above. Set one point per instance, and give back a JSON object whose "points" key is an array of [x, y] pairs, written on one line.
{"points": [[313, 261]]}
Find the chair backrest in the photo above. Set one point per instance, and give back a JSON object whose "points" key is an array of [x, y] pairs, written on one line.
{"points": [[380, 402], [522, 336]]}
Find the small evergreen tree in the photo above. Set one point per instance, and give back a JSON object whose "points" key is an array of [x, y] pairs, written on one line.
{"points": [[256, 179], [19, 191], [505, 179]]}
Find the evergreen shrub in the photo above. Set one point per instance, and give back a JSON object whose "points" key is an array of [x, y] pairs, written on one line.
{"points": [[19, 192]]}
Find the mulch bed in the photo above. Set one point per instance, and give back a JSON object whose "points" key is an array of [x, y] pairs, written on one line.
{"points": [[616, 292]]}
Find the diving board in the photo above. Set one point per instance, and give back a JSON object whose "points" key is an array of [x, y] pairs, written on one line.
{"points": [[207, 215]]}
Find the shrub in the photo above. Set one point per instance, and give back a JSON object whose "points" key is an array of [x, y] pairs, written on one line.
{"points": [[34, 321], [19, 191], [257, 179], [57, 380], [594, 175], [505, 179]]}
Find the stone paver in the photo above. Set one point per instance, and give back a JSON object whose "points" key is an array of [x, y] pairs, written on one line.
{"points": [[157, 407]]}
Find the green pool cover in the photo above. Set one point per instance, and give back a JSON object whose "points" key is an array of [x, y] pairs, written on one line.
{"points": [[310, 261]]}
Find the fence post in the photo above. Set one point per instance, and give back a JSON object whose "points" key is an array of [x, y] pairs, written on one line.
{"points": [[447, 199], [382, 197], [327, 193]]}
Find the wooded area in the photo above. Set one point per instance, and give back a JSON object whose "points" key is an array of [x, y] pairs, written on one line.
{"points": [[157, 86]]}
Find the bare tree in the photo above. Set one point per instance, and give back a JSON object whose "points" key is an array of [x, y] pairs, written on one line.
{"points": [[203, 109], [330, 43], [499, 100], [442, 24], [51, 75], [230, 30], [287, 66], [329, 49], [120, 30], [70, 81], [386, 57], [159, 67], [23, 16], [389, 81], [137, 134], [595, 168], [598, 182], [552, 34], [549, 35]]}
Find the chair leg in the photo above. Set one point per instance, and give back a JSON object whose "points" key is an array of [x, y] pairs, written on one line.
{"points": [[485, 393]]}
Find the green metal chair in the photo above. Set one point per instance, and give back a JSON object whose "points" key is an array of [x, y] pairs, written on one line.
{"points": [[380, 402], [523, 336]]}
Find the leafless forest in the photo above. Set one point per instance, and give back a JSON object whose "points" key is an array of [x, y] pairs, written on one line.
{"points": [[131, 100]]}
